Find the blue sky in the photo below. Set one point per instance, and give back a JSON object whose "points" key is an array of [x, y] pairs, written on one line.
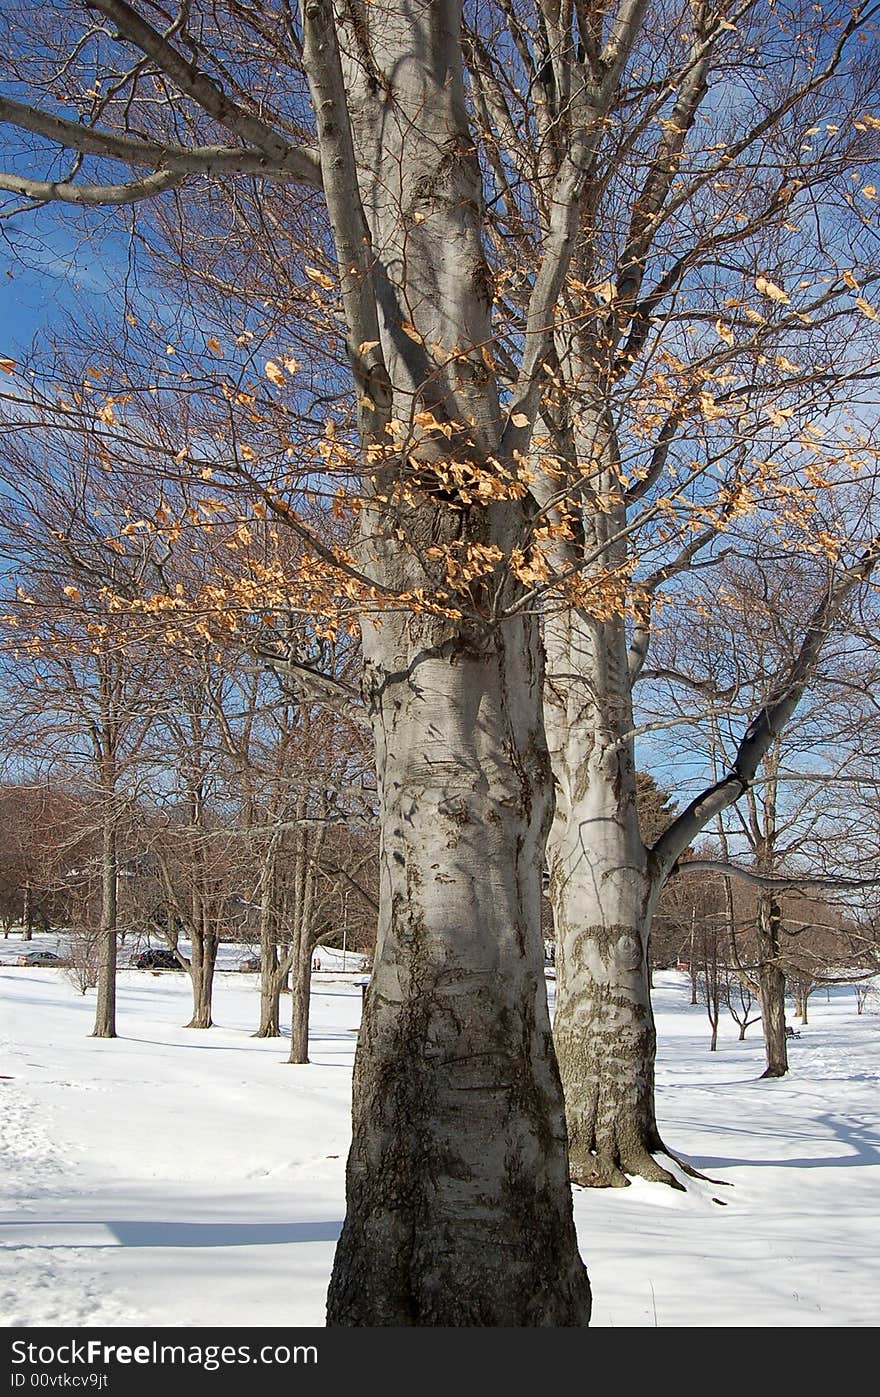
{"points": [[48, 269]]}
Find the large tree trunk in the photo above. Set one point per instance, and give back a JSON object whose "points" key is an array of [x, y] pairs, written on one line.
{"points": [[603, 899], [105, 1008], [459, 1211], [771, 981], [270, 1003], [458, 1206]]}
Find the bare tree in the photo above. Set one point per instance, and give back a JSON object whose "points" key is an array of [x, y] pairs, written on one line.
{"points": [[784, 827], [673, 379], [740, 1001], [75, 688], [477, 184], [455, 1015]]}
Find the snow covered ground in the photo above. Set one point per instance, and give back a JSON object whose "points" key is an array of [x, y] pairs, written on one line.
{"points": [[186, 1178]]}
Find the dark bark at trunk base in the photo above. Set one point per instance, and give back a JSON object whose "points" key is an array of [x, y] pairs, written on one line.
{"points": [[200, 1020], [771, 981], [459, 1211], [606, 1045], [301, 988], [270, 1024], [204, 959], [270, 1003], [442, 1249], [629, 1152]]}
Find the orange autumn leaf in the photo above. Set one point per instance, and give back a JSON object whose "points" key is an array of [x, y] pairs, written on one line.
{"points": [[769, 289]]}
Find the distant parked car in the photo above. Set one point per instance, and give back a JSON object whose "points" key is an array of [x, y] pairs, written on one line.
{"points": [[156, 959], [247, 967], [40, 958]]}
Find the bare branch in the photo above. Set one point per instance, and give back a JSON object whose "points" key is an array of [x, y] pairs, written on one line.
{"points": [[301, 166], [90, 195], [774, 882], [347, 218], [767, 725], [197, 85]]}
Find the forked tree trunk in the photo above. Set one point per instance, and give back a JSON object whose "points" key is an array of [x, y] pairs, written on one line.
{"points": [[771, 982], [712, 1009], [802, 991], [105, 1008], [711, 984], [459, 1211], [203, 960]]}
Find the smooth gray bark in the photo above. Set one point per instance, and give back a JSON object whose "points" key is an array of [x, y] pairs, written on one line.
{"points": [[603, 897], [458, 1206], [604, 883]]}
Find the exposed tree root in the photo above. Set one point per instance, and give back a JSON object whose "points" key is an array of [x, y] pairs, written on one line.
{"points": [[600, 1170], [695, 1173]]}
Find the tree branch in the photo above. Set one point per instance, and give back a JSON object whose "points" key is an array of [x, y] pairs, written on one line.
{"points": [[316, 687], [767, 724], [90, 195], [773, 882], [301, 166], [197, 85], [591, 107], [347, 218]]}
